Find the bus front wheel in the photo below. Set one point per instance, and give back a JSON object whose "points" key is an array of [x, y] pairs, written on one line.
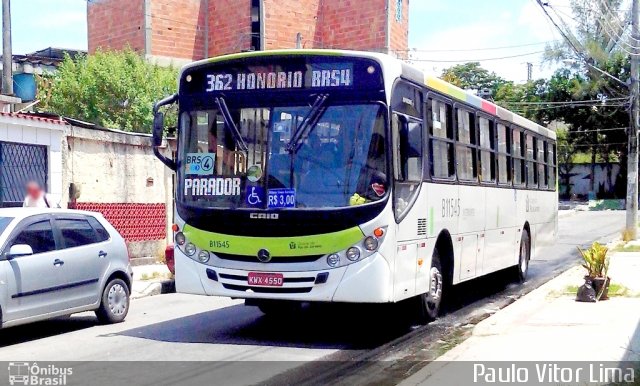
{"points": [[431, 301]]}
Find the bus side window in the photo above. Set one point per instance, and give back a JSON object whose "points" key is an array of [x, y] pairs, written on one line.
{"points": [[466, 163], [551, 162], [442, 140], [519, 176], [532, 155], [487, 150], [543, 175], [504, 151]]}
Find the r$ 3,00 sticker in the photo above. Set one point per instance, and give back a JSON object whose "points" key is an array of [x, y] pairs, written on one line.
{"points": [[281, 198]]}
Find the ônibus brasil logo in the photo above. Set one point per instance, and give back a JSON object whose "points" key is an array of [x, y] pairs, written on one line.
{"points": [[25, 373]]}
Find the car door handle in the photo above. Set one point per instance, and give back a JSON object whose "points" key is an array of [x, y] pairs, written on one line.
{"points": [[102, 254], [58, 262]]}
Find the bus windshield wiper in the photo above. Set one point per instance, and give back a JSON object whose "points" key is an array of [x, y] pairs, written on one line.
{"points": [[222, 106], [308, 122]]}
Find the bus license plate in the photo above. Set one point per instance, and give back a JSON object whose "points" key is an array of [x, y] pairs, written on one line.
{"points": [[266, 279]]}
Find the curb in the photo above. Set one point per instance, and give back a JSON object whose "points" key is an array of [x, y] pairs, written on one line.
{"points": [[155, 288]]}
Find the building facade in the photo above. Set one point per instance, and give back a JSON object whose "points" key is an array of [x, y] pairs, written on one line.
{"points": [[186, 30]]}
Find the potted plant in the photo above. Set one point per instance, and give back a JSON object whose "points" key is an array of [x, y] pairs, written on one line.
{"points": [[596, 262]]}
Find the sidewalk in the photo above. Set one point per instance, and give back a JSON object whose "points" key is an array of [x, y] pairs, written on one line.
{"points": [[150, 279], [549, 325]]}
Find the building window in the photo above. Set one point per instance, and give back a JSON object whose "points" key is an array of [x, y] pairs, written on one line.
{"points": [[399, 10], [256, 26]]}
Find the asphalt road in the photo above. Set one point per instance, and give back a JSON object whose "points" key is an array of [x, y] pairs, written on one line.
{"points": [[367, 344]]}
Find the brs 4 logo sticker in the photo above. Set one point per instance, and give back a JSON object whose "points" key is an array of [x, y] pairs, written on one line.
{"points": [[200, 163]]}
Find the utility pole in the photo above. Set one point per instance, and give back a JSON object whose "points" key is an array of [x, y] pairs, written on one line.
{"points": [[7, 57], [632, 146]]}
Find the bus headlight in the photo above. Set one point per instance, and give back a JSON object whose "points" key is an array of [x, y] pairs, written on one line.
{"points": [[203, 256], [190, 249], [333, 260], [353, 253], [180, 239], [371, 243]]}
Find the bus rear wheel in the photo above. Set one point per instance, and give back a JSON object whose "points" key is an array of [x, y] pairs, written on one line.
{"points": [[431, 301], [521, 270]]}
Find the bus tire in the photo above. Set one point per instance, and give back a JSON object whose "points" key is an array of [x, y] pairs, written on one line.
{"points": [[431, 302], [521, 270]]}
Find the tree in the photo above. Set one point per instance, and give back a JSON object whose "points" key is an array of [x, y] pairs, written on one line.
{"points": [[113, 89], [471, 76], [595, 39]]}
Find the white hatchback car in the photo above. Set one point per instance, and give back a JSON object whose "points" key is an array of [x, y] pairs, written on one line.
{"points": [[56, 262]]}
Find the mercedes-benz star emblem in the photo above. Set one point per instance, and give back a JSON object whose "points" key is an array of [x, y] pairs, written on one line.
{"points": [[264, 256]]}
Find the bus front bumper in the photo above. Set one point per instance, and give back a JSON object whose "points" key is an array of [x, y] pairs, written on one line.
{"points": [[366, 281]]}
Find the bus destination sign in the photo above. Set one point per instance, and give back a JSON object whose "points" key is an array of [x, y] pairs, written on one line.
{"points": [[318, 76]]}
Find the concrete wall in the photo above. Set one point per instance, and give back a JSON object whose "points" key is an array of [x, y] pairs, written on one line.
{"points": [[581, 178], [117, 167]]}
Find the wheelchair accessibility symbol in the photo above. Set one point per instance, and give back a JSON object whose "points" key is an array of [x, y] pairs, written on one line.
{"points": [[254, 196]]}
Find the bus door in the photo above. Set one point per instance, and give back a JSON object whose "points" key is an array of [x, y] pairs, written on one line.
{"points": [[407, 148]]}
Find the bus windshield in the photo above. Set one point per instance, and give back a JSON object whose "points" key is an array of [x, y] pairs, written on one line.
{"points": [[295, 157]]}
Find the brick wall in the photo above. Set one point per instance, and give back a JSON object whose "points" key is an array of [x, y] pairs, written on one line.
{"points": [[283, 19], [112, 24], [229, 26], [351, 24], [178, 28]]}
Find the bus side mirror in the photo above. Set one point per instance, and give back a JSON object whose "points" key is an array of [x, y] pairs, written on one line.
{"points": [[158, 128]]}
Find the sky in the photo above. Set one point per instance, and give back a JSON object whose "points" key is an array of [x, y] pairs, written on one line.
{"points": [[475, 27]]}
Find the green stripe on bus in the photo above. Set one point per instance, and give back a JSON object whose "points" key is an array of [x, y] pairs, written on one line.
{"points": [[319, 244]]}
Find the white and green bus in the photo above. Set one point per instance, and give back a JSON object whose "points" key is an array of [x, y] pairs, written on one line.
{"points": [[343, 176]]}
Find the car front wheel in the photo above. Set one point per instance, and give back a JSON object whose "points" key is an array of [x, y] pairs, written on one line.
{"points": [[115, 302]]}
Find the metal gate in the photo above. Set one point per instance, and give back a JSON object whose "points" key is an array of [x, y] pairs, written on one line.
{"points": [[19, 164]]}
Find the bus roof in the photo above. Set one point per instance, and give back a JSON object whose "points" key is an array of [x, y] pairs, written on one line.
{"points": [[408, 71]]}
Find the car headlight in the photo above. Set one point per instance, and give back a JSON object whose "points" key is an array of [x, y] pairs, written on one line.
{"points": [[203, 256], [353, 253], [190, 249], [180, 239], [371, 243], [333, 259]]}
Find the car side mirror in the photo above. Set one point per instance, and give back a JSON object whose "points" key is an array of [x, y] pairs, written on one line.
{"points": [[19, 250]]}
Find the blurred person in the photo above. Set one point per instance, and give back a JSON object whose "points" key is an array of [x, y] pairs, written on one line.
{"points": [[37, 198]]}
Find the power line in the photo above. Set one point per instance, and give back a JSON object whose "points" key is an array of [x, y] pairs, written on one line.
{"points": [[565, 102], [480, 49], [475, 60]]}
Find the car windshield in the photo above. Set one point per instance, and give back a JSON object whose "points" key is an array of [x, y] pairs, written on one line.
{"points": [[296, 157], [4, 223]]}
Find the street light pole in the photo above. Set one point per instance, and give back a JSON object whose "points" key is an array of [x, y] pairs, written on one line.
{"points": [[7, 58], [632, 145]]}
